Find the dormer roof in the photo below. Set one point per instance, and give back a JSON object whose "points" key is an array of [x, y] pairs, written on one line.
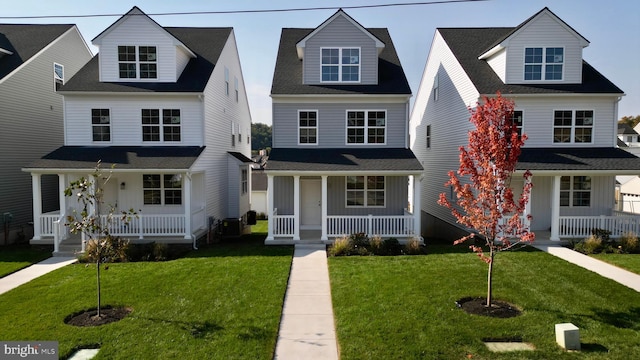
{"points": [[20, 42], [300, 45], [135, 11], [502, 42]]}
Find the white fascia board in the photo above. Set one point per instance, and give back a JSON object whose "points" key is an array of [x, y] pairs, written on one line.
{"points": [[344, 173], [360, 98], [114, 170], [539, 173]]}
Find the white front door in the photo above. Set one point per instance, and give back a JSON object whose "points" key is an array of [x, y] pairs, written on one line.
{"points": [[310, 203]]}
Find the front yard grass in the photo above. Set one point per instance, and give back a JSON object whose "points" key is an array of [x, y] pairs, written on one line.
{"points": [[403, 307], [221, 302], [629, 262], [16, 257]]}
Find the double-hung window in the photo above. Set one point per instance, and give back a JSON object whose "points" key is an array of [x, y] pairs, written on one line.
{"points": [[575, 191], [308, 126], [137, 62], [244, 181], [516, 119], [365, 191], [58, 75], [366, 126], [340, 64], [428, 137], [101, 124], [162, 189], [548, 61], [168, 131], [572, 126]]}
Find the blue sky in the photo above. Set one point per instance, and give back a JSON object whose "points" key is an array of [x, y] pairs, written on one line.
{"points": [[611, 26]]}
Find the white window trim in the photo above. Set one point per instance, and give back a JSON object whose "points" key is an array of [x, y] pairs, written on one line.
{"points": [[137, 62], [573, 126], [244, 181], [366, 127], [544, 62], [161, 125], [110, 123], [226, 81], [236, 91], [162, 189], [522, 126], [340, 64], [346, 190], [428, 136], [571, 191], [309, 127], [436, 87], [57, 79]]}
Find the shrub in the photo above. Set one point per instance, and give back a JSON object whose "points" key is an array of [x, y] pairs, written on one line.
{"points": [[391, 247], [604, 235], [341, 247], [375, 244], [591, 245], [160, 252], [359, 239], [628, 243], [110, 249], [413, 247]]}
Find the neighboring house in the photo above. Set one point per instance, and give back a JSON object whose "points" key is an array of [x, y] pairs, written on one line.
{"points": [[628, 194], [34, 61], [167, 107], [566, 107], [340, 161], [259, 194], [628, 135]]}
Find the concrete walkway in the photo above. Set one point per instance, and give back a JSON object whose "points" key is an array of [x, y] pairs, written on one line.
{"points": [[307, 330], [615, 273], [29, 273]]}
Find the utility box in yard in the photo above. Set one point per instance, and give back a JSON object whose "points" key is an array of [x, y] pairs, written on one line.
{"points": [[231, 227]]}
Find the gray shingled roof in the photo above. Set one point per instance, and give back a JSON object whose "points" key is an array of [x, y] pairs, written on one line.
{"points": [[287, 77], [25, 40], [625, 129], [583, 159], [124, 157], [206, 43], [240, 156], [467, 44], [334, 159]]}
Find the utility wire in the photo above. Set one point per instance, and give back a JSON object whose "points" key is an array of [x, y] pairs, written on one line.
{"points": [[246, 11]]}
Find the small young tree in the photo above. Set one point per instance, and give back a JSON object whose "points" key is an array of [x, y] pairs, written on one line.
{"points": [[485, 202], [102, 247]]}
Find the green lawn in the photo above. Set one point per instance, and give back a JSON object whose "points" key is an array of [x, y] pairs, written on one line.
{"points": [[221, 302], [403, 307], [629, 262], [260, 228], [16, 257]]}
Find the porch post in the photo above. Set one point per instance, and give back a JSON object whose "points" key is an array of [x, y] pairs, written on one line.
{"points": [[62, 184], [296, 207], [555, 209], [37, 205], [269, 208], [527, 209], [417, 188], [187, 206], [323, 235]]}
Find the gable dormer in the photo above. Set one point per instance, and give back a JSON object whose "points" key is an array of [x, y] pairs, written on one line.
{"points": [[137, 49], [340, 51], [541, 50]]}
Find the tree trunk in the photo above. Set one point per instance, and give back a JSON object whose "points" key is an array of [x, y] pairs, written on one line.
{"points": [[98, 285], [492, 254]]}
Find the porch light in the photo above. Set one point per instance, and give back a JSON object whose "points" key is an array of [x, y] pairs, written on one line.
{"points": [[122, 185]]}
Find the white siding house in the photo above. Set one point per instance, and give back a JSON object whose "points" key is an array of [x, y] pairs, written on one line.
{"points": [[340, 162], [34, 61], [566, 107], [156, 103]]}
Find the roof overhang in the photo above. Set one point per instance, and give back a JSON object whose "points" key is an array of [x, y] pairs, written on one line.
{"points": [[343, 173], [343, 98]]}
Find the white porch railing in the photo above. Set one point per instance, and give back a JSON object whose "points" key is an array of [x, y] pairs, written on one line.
{"points": [[282, 224], [146, 225], [46, 223], [581, 226], [383, 225]]}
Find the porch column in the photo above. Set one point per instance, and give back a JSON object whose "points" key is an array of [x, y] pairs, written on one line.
{"points": [[296, 207], [269, 208], [527, 209], [187, 206], [555, 209], [37, 205], [417, 188], [323, 235], [62, 185]]}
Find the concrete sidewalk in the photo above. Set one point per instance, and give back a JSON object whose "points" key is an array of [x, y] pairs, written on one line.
{"points": [[614, 273], [36, 270], [307, 329]]}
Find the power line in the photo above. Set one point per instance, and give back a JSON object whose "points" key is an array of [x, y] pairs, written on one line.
{"points": [[245, 11]]}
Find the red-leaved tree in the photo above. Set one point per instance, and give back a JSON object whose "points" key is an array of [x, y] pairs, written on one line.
{"points": [[484, 198]]}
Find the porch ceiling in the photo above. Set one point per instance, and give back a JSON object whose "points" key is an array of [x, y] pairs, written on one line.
{"points": [[578, 159], [341, 159], [124, 157]]}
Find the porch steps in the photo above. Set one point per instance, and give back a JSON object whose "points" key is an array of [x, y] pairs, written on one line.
{"points": [[69, 248]]}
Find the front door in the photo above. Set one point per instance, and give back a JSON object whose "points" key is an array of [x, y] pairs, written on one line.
{"points": [[310, 204]]}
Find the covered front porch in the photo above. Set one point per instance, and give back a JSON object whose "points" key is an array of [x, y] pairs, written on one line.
{"points": [[321, 194]]}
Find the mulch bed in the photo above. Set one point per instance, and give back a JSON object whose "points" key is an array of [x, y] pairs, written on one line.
{"points": [[90, 318], [478, 306]]}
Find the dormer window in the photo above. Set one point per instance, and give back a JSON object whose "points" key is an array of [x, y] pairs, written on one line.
{"points": [[550, 59], [137, 62], [340, 65]]}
